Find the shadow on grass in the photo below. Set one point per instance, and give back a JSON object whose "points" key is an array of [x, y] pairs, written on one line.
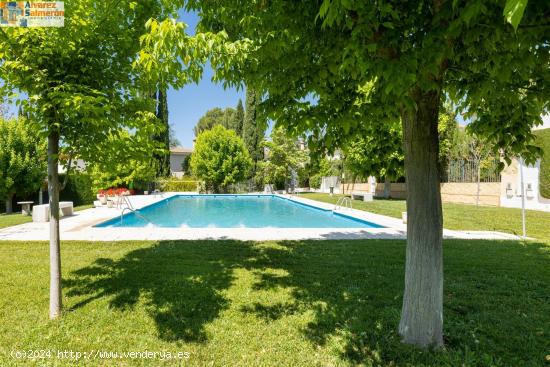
{"points": [[179, 281], [497, 294]]}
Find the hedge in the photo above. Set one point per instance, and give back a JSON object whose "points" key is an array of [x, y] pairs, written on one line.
{"points": [[175, 185], [543, 141], [78, 189]]}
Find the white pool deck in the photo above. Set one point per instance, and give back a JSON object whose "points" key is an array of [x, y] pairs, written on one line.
{"points": [[80, 227]]}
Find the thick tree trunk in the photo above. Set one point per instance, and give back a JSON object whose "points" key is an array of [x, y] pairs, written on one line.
{"points": [[422, 313], [9, 204], [55, 255]]}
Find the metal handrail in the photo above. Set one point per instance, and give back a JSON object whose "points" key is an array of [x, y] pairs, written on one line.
{"points": [[136, 213], [341, 203], [122, 199]]}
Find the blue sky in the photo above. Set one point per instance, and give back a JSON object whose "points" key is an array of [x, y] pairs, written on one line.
{"points": [[187, 105]]}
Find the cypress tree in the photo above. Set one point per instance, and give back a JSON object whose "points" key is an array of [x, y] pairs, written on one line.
{"points": [[164, 136], [238, 119], [228, 115], [253, 128]]}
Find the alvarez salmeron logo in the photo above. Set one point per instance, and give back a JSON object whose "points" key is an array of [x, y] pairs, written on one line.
{"points": [[32, 14]]}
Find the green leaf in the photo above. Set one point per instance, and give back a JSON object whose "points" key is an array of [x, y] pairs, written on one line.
{"points": [[371, 47], [513, 11]]}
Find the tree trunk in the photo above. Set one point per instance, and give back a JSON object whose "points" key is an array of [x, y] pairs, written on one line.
{"points": [[9, 204], [55, 256], [422, 313], [387, 188]]}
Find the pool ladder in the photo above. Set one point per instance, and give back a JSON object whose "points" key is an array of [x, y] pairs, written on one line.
{"points": [[130, 208], [342, 203], [123, 200]]}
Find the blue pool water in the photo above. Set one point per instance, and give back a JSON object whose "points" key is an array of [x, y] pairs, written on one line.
{"points": [[235, 211]]}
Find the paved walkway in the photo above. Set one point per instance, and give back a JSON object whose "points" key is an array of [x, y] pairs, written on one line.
{"points": [[80, 227]]}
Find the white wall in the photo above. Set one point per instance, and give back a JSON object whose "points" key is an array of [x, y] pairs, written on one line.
{"points": [[512, 198], [328, 181], [175, 162]]}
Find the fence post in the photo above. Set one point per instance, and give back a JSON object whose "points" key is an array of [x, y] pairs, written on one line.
{"points": [[478, 182]]}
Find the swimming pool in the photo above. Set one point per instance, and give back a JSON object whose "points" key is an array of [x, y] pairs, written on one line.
{"points": [[235, 211]]}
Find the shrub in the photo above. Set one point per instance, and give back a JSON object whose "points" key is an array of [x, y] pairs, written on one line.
{"points": [[315, 181], [284, 157], [220, 159], [78, 189], [22, 160], [543, 141], [177, 185]]}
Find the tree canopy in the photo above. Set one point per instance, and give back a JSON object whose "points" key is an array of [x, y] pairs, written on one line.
{"points": [[353, 79], [329, 67], [220, 159], [283, 159], [163, 136], [377, 150], [253, 127], [75, 83], [376, 153], [22, 160], [131, 167], [237, 121], [213, 117], [84, 86]]}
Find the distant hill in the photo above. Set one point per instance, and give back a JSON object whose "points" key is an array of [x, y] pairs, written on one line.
{"points": [[543, 141]]}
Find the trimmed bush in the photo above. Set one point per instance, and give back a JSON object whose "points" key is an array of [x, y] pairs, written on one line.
{"points": [[176, 185], [543, 141], [220, 159], [79, 189], [315, 181]]}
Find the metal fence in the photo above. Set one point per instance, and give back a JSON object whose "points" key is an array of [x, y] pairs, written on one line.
{"points": [[464, 170]]}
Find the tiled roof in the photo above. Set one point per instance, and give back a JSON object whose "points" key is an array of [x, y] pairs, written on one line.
{"points": [[181, 150]]}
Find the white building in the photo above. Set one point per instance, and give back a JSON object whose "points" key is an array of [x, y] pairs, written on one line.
{"points": [[511, 193], [177, 156]]}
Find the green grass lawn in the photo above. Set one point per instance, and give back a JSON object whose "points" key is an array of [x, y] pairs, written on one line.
{"points": [[8, 220], [461, 216], [306, 303]]}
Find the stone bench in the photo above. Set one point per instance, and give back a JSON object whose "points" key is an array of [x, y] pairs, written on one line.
{"points": [[25, 207], [367, 196], [41, 213], [66, 208]]}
